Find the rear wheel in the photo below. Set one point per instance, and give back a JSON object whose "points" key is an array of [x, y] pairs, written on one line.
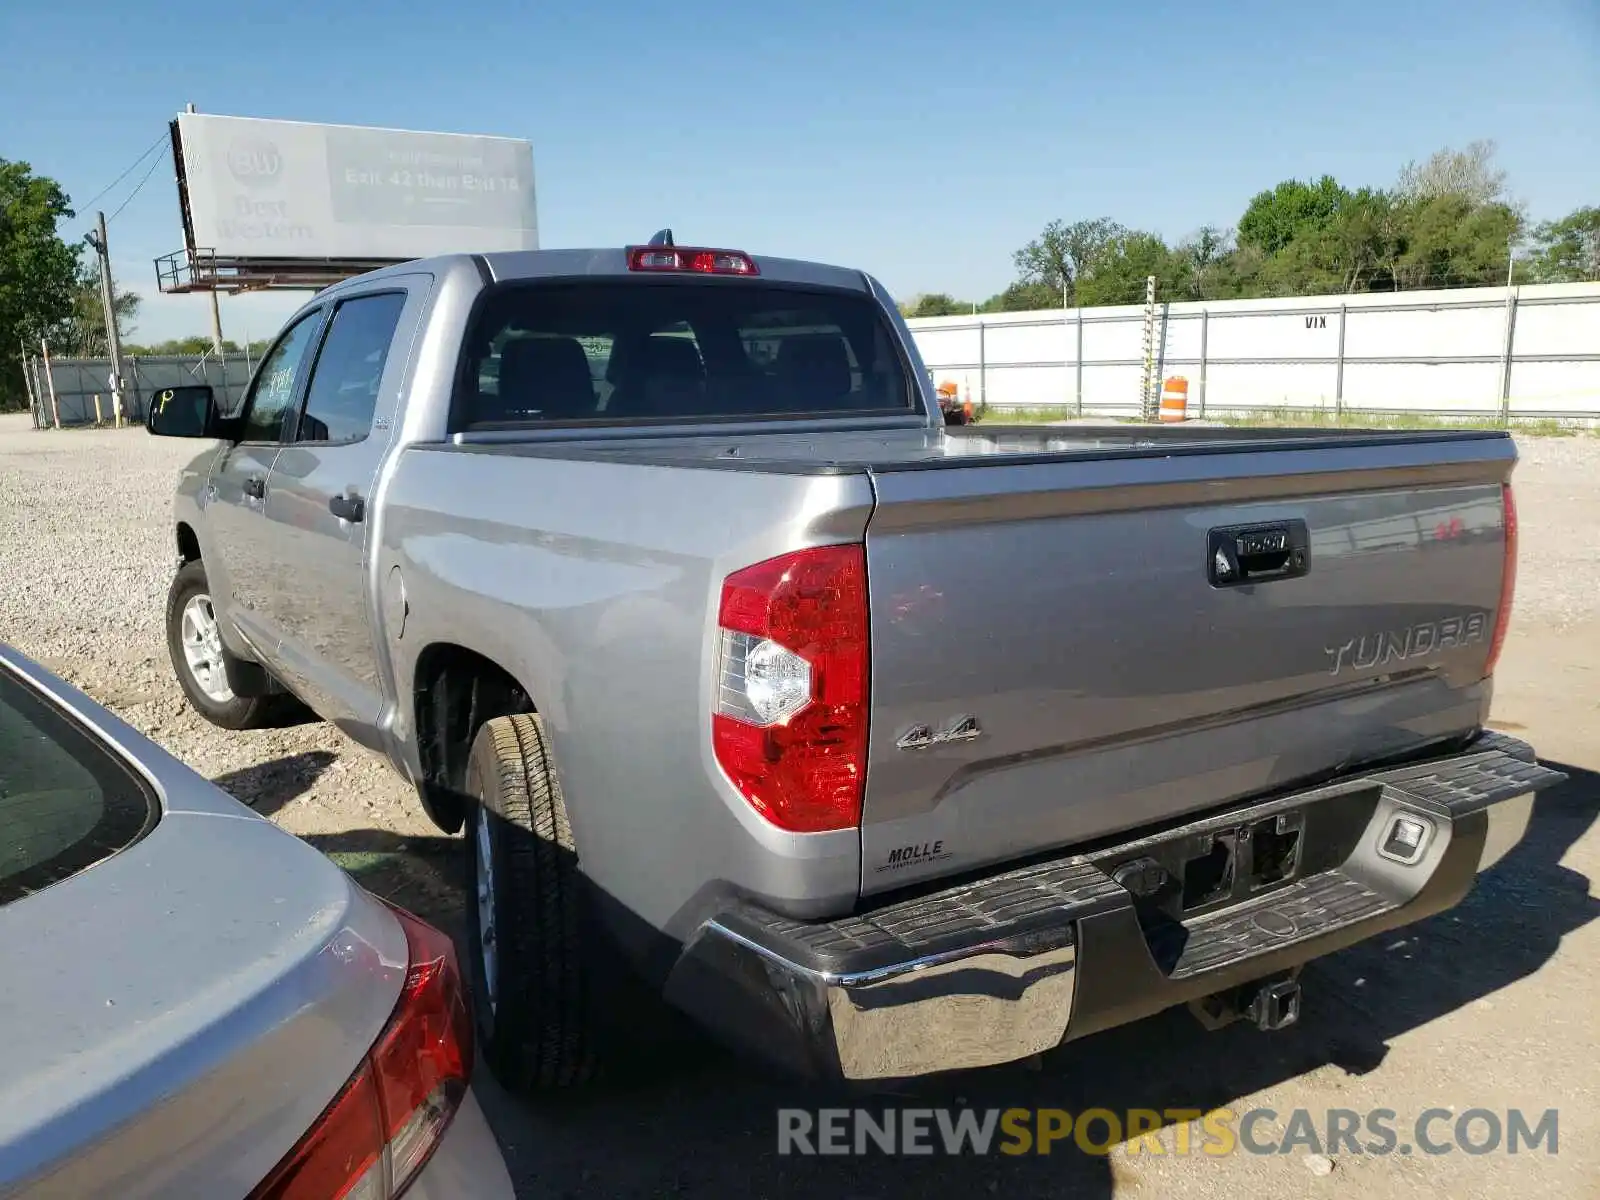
{"points": [[531, 978], [201, 661]]}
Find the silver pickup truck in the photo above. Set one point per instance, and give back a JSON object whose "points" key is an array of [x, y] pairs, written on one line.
{"points": [[879, 748]]}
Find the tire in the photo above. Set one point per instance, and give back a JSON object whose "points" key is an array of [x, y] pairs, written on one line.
{"points": [[209, 694], [535, 1021]]}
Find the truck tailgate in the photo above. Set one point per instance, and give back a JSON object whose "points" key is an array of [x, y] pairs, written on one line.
{"points": [[1058, 654]]}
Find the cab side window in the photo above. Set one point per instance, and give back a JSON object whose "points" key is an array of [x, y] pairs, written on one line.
{"points": [[272, 394], [343, 392]]}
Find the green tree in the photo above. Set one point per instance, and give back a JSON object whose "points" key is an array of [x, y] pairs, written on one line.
{"points": [[1449, 241], [1354, 249], [1119, 274], [1568, 250], [1063, 254], [1214, 266], [934, 304], [1448, 222], [1023, 297], [83, 333], [1289, 211], [38, 270]]}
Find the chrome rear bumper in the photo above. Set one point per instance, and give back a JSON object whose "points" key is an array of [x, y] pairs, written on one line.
{"points": [[997, 969]]}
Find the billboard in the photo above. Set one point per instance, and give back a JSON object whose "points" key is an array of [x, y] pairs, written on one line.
{"points": [[256, 189]]}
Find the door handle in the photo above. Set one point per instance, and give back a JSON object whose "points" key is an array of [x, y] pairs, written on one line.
{"points": [[1248, 554], [347, 508], [255, 487]]}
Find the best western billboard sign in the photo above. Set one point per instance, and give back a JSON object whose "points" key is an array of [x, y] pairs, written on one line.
{"points": [[285, 189]]}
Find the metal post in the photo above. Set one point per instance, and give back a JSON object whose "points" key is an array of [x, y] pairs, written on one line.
{"points": [[35, 388], [1506, 356], [1162, 331], [983, 371], [1147, 383], [1078, 386], [27, 382], [1065, 366], [1205, 331], [137, 407], [49, 378], [1338, 370]]}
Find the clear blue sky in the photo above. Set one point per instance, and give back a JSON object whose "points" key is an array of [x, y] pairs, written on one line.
{"points": [[922, 141]]}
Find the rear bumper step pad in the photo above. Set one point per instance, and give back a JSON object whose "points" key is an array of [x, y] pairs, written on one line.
{"points": [[996, 969]]}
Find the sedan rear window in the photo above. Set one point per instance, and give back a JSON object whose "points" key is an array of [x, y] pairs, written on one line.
{"points": [[66, 802], [651, 349]]}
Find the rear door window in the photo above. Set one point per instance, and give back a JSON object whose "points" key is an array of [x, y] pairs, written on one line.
{"points": [[648, 350], [66, 802]]}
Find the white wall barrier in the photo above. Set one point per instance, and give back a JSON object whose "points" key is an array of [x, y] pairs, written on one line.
{"points": [[1526, 351]]}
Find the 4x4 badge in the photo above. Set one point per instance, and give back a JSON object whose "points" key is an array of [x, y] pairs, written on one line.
{"points": [[920, 737]]}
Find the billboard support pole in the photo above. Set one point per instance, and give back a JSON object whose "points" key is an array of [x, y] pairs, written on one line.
{"points": [[216, 310], [216, 324]]}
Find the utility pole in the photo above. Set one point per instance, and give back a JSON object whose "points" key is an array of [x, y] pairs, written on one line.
{"points": [[108, 300]]}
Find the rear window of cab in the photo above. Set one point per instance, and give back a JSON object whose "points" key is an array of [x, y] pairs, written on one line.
{"points": [[644, 350]]}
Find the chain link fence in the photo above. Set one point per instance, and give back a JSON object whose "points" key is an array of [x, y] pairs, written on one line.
{"points": [[77, 391]]}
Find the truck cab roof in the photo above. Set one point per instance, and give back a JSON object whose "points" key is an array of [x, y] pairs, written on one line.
{"points": [[603, 261]]}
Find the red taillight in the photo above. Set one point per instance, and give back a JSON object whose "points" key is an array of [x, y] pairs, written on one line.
{"points": [[790, 723], [379, 1131], [1508, 582], [695, 259]]}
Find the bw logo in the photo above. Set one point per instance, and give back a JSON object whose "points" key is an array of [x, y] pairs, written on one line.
{"points": [[254, 162]]}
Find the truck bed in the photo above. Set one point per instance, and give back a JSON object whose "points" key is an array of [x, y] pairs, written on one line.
{"points": [[899, 448]]}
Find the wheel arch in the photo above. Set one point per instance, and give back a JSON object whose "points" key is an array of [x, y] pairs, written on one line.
{"points": [[188, 542], [455, 691]]}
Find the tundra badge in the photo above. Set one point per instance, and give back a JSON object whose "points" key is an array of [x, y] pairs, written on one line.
{"points": [[1397, 645]]}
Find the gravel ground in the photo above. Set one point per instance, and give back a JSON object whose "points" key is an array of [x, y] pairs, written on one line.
{"points": [[1491, 1005], [86, 554]]}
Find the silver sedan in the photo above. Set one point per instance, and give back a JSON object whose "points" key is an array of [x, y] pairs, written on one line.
{"points": [[198, 1004]]}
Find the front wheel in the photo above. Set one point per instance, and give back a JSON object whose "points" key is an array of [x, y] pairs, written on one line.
{"points": [[200, 660]]}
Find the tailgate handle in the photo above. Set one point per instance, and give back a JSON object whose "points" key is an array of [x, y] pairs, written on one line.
{"points": [[1243, 554]]}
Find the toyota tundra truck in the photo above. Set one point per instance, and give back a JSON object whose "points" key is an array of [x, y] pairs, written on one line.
{"points": [[877, 747]]}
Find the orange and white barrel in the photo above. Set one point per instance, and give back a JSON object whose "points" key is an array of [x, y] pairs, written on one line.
{"points": [[1175, 399]]}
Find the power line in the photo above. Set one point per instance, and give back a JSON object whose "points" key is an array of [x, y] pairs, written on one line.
{"points": [[153, 165], [132, 167]]}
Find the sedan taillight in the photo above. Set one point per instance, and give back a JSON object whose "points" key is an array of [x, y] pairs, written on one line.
{"points": [[371, 1141]]}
